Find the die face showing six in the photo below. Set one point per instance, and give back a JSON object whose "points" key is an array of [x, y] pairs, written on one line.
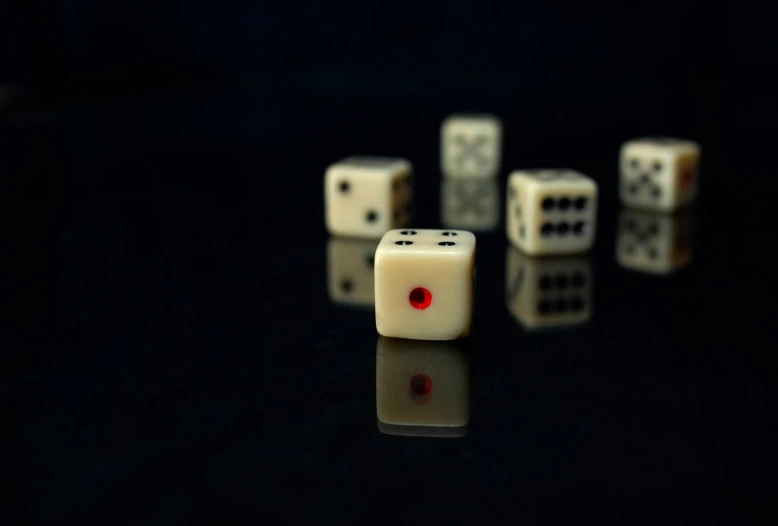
{"points": [[424, 284], [551, 211], [471, 146], [653, 242], [470, 204], [542, 293], [350, 271], [367, 196], [423, 388], [658, 173]]}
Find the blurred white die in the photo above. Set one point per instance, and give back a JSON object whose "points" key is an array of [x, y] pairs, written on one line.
{"points": [[551, 211], [422, 388], [350, 274], [548, 292], [471, 204], [471, 146], [653, 242], [368, 196], [659, 173]]}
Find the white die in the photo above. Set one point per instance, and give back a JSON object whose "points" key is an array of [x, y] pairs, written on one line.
{"points": [[659, 173], [424, 284], [350, 271], [654, 243], [551, 211], [367, 196], [470, 204], [422, 388], [548, 292], [471, 146]]}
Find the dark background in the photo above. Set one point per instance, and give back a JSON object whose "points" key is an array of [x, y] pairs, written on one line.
{"points": [[537, 60], [170, 355]]}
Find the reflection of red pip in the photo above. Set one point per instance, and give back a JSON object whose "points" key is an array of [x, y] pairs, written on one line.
{"points": [[421, 388]]}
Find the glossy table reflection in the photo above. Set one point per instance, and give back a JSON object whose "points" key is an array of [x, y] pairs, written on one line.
{"points": [[423, 387], [184, 341], [654, 242]]}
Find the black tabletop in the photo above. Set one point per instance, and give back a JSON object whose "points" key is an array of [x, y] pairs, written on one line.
{"points": [[175, 350]]}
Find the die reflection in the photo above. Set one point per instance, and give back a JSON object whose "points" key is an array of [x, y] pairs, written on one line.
{"points": [[654, 243], [350, 277], [422, 387], [550, 292], [470, 204]]}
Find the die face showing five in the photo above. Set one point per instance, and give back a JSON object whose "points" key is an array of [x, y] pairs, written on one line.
{"points": [[471, 146], [542, 293], [551, 211], [654, 243], [471, 204], [350, 271], [424, 284], [658, 173], [367, 196], [423, 388]]}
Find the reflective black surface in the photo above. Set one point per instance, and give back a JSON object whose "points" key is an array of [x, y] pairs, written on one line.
{"points": [[177, 345]]}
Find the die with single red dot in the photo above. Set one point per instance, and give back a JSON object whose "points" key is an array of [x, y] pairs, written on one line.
{"points": [[424, 284]]}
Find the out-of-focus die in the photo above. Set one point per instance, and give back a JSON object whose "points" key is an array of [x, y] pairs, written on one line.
{"points": [[422, 388], [471, 146], [548, 292], [367, 196], [350, 271], [424, 284], [471, 204], [551, 211], [654, 243], [659, 173]]}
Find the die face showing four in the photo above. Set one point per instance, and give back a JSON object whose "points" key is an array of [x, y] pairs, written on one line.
{"points": [[424, 284], [471, 146], [654, 243], [367, 196], [423, 388], [658, 173], [551, 211], [542, 293], [471, 204], [350, 271]]}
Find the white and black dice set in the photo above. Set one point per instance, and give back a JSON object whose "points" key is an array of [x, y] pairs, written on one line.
{"points": [[420, 281]]}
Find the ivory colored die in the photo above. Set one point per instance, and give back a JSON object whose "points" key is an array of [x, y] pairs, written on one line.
{"points": [[653, 242], [551, 211], [424, 284], [548, 292], [367, 196], [350, 274], [659, 173], [472, 204], [471, 146], [422, 388]]}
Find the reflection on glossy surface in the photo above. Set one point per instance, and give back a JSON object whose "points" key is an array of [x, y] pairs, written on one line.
{"points": [[470, 204], [548, 292], [422, 387], [653, 242], [350, 277]]}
